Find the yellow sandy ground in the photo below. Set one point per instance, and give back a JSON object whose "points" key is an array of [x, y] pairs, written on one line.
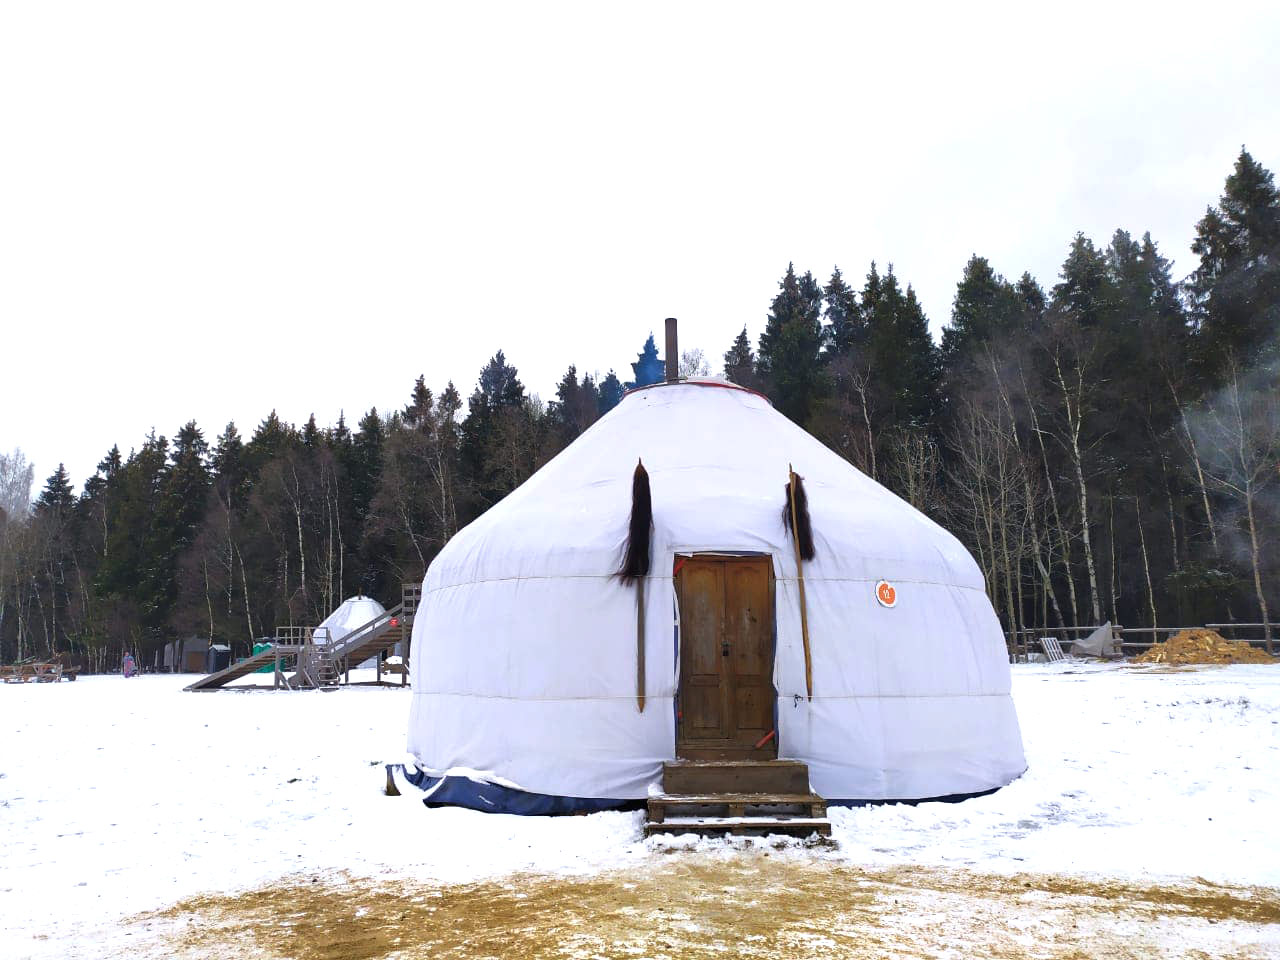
{"points": [[748, 904]]}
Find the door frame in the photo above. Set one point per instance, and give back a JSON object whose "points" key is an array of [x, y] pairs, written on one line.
{"points": [[696, 750]]}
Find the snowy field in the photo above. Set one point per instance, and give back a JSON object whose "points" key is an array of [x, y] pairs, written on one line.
{"points": [[122, 797]]}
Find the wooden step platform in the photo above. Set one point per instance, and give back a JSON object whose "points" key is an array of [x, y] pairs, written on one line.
{"points": [[742, 826], [737, 797], [735, 776]]}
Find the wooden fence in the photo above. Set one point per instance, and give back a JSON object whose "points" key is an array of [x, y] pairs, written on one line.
{"points": [[1132, 640]]}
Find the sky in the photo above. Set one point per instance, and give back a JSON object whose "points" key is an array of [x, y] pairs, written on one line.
{"points": [[209, 211]]}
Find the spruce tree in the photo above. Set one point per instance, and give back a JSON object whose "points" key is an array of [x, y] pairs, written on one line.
{"points": [[366, 461], [1086, 292], [844, 325], [610, 392], [310, 433], [575, 408], [229, 466], [500, 384], [1236, 287], [182, 507], [418, 409], [986, 310], [57, 499], [903, 358], [790, 347], [648, 368], [1032, 299], [273, 438], [740, 362]]}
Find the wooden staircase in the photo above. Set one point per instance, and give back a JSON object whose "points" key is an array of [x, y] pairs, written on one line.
{"points": [[317, 667], [737, 797]]}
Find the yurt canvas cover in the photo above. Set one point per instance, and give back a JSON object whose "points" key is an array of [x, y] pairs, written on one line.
{"points": [[524, 667]]}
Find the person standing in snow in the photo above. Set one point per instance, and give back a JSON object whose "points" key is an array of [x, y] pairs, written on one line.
{"points": [[127, 666]]}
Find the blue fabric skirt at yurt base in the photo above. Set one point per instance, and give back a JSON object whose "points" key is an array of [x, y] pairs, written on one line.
{"points": [[495, 798]]}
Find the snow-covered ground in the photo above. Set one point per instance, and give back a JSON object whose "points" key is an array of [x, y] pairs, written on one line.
{"points": [[119, 796]]}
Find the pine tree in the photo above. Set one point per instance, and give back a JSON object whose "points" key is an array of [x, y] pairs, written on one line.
{"points": [[186, 483], [574, 409], [610, 392], [1032, 299], [1236, 287], [134, 578], [182, 506], [648, 368], [496, 448], [1086, 293], [500, 384], [844, 325], [366, 462], [418, 409], [311, 433], [107, 468], [986, 310], [341, 436], [57, 499], [904, 360], [740, 362], [229, 466], [790, 346], [272, 439]]}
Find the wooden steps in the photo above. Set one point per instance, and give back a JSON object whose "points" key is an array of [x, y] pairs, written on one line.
{"points": [[743, 826], [735, 776], [737, 797]]}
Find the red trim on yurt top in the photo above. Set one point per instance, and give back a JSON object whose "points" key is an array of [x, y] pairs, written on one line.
{"points": [[723, 384]]}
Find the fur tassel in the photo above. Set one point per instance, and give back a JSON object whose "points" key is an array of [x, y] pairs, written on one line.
{"points": [[805, 533], [636, 560]]}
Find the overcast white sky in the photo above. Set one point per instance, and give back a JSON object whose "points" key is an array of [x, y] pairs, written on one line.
{"points": [[210, 210]]}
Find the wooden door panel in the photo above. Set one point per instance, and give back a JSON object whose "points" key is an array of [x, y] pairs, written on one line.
{"points": [[753, 713], [749, 610], [726, 657], [701, 705], [703, 695]]}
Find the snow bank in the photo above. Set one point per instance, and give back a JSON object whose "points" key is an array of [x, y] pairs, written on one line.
{"points": [[1132, 772]]}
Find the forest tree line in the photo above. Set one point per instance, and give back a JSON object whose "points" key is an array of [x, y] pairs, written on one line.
{"points": [[1108, 447]]}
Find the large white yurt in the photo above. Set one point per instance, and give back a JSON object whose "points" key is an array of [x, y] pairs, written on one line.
{"points": [[528, 649]]}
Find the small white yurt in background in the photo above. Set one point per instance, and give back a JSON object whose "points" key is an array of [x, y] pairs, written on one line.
{"points": [[527, 646], [352, 613]]}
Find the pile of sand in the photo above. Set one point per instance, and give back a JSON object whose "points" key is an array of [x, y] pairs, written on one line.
{"points": [[1204, 646]]}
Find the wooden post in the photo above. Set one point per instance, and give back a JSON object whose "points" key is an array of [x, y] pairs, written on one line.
{"points": [[804, 612], [640, 643]]}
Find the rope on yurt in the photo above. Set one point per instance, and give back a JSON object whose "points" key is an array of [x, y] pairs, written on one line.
{"points": [[635, 564], [796, 517]]}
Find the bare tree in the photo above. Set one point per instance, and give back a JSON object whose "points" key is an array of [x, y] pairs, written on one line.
{"points": [[16, 476], [1071, 355], [915, 468], [848, 420], [988, 501], [1238, 431], [693, 363]]}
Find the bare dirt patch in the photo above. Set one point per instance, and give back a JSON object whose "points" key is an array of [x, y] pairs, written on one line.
{"points": [[751, 904]]}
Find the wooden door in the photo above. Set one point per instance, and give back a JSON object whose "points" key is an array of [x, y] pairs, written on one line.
{"points": [[726, 658]]}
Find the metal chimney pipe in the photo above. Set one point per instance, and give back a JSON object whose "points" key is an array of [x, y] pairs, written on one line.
{"points": [[673, 352]]}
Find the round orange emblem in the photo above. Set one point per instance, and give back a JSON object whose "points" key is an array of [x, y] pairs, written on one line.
{"points": [[886, 595]]}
